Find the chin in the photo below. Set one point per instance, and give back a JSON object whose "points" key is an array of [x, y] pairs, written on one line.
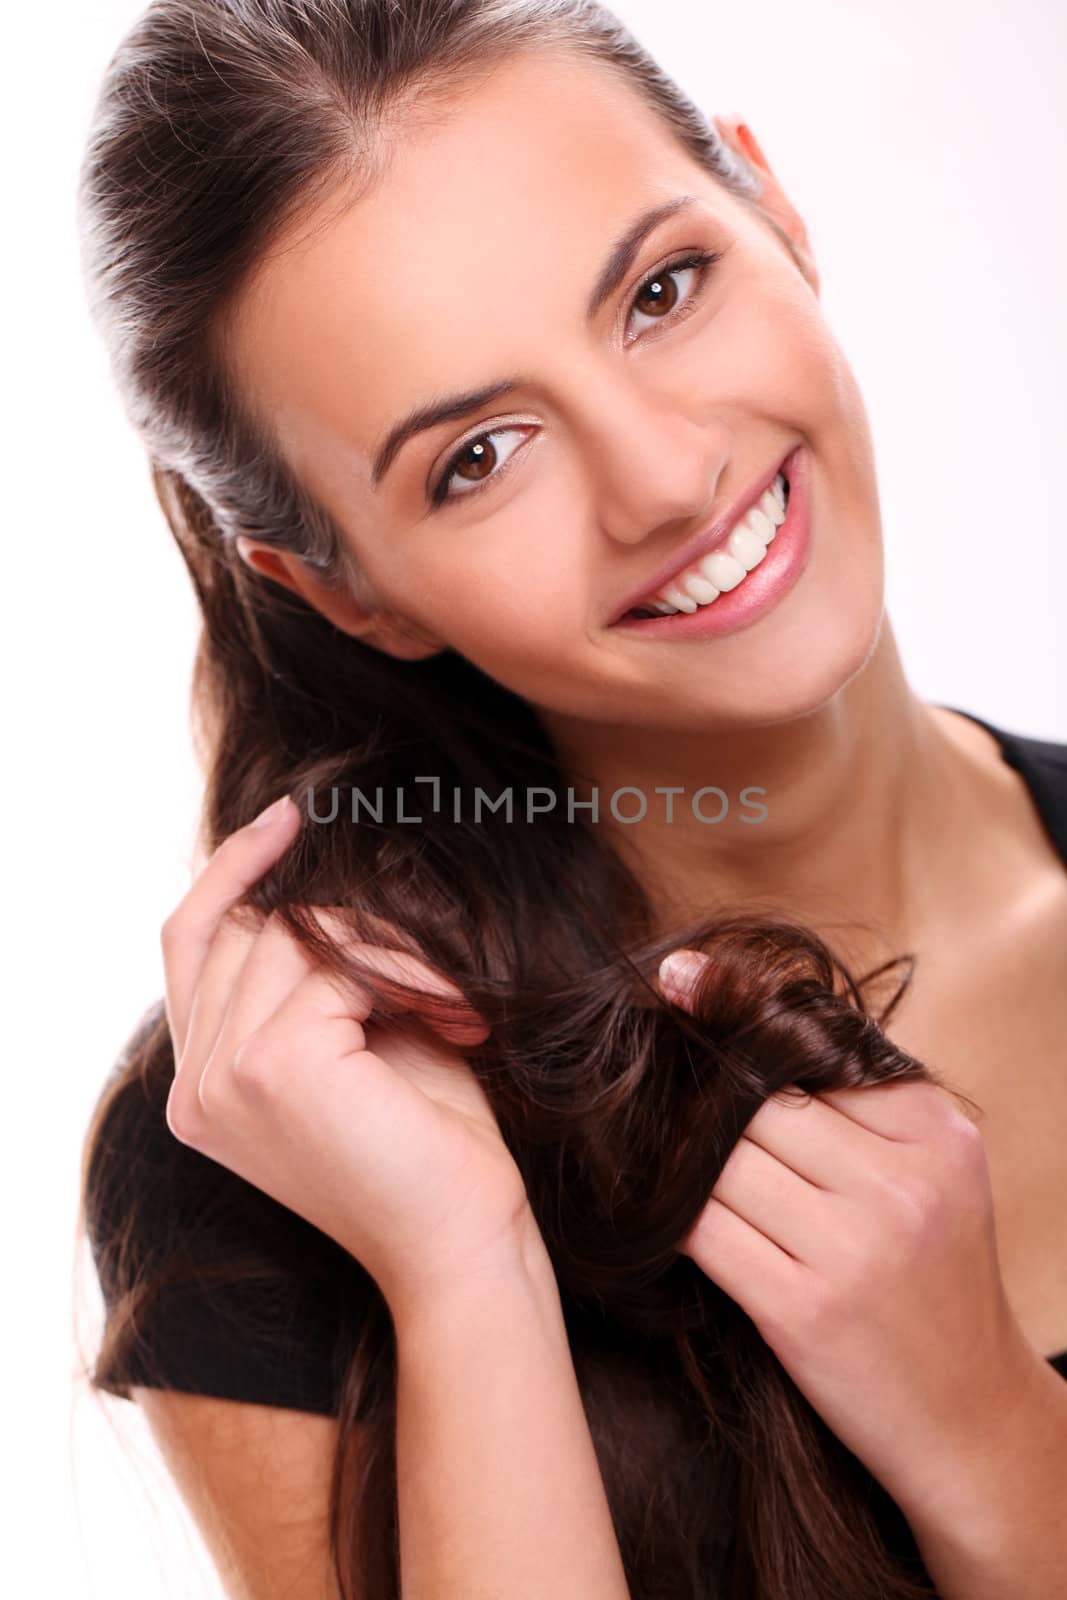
{"points": [[794, 661]]}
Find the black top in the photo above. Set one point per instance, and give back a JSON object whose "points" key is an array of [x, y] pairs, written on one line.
{"points": [[272, 1339]]}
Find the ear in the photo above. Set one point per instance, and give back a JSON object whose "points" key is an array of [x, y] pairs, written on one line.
{"points": [[773, 200], [385, 630]]}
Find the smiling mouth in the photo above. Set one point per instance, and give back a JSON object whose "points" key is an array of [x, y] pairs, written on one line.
{"points": [[723, 568]]}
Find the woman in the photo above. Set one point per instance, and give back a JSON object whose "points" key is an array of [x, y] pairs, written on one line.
{"points": [[537, 542]]}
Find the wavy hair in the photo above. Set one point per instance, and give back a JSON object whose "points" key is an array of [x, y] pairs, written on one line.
{"points": [[217, 122]]}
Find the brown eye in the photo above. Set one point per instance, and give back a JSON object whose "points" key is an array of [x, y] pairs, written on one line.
{"points": [[660, 295], [475, 463], [479, 457]]}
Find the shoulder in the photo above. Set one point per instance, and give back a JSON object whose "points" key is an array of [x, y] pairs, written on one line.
{"points": [[1040, 763]]}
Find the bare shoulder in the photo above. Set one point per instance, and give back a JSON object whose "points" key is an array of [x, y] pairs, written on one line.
{"points": [[256, 1480]]}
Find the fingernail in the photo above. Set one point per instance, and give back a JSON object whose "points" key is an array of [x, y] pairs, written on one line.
{"points": [[273, 813], [681, 969]]}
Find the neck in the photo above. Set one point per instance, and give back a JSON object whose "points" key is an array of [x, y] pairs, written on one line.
{"points": [[856, 806]]}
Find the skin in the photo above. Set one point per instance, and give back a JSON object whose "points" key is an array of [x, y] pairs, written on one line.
{"points": [[631, 435], [388, 1144]]}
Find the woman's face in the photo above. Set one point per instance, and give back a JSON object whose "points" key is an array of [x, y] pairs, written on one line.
{"points": [[471, 263]]}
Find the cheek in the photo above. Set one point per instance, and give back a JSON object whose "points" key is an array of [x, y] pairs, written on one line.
{"points": [[768, 352], [513, 591]]}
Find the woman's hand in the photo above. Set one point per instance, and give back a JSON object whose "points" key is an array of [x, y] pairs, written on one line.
{"points": [[388, 1144], [856, 1229]]}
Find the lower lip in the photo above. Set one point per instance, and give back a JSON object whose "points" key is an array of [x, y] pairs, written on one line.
{"points": [[760, 589]]}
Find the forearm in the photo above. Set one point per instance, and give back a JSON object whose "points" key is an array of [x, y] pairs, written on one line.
{"points": [[499, 1487], [997, 1524]]}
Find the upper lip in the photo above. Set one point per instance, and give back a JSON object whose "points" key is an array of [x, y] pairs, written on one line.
{"points": [[701, 543]]}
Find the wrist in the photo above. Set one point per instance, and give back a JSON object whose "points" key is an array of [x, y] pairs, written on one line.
{"points": [[970, 1482], [463, 1276]]}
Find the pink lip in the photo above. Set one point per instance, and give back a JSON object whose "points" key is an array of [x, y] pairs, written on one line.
{"points": [[701, 545], [786, 558]]}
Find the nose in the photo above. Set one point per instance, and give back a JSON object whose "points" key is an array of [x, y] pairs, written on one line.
{"points": [[654, 463]]}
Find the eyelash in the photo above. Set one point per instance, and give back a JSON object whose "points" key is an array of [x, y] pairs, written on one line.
{"points": [[700, 260]]}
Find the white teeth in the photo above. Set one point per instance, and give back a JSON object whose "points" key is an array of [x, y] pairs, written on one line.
{"points": [[706, 570], [747, 546], [763, 526], [725, 571], [773, 507], [701, 590], [725, 567]]}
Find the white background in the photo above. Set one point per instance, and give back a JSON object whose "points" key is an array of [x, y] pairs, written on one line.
{"points": [[925, 145]]}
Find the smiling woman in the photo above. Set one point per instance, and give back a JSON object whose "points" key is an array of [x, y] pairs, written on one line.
{"points": [[546, 473]]}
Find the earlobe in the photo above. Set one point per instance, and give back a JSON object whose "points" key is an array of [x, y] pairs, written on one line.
{"points": [[403, 642]]}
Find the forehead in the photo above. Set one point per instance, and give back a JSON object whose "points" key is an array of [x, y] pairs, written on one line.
{"points": [[480, 237]]}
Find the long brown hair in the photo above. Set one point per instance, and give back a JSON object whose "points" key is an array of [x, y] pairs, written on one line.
{"points": [[217, 121]]}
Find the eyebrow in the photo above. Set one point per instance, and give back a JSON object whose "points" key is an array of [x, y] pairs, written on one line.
{"points": [[450, 408]]}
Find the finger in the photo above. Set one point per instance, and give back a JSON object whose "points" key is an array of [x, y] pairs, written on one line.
{"points": [[212, 1026], [244, 980], [784, 1207], [311, 1025], [227, 953], [272, 964], [404, 968], [308, 1054], [747, 1265], [239, 862], [277, 966], [305, 1023], [816, 1141], [908, 1110]]}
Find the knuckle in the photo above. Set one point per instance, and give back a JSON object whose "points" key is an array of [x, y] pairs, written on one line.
{"points": [[180, 1116], [251, 1066], [962, 1138], [944, 1116], [915, 1202], [925, 1102], [216, 1088], [209, 1096]]}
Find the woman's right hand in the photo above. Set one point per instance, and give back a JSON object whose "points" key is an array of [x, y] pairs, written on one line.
{"points": [[394, 1150]]}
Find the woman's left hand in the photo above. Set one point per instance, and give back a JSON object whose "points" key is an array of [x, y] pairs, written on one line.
{"points": [[856, 1229]]}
